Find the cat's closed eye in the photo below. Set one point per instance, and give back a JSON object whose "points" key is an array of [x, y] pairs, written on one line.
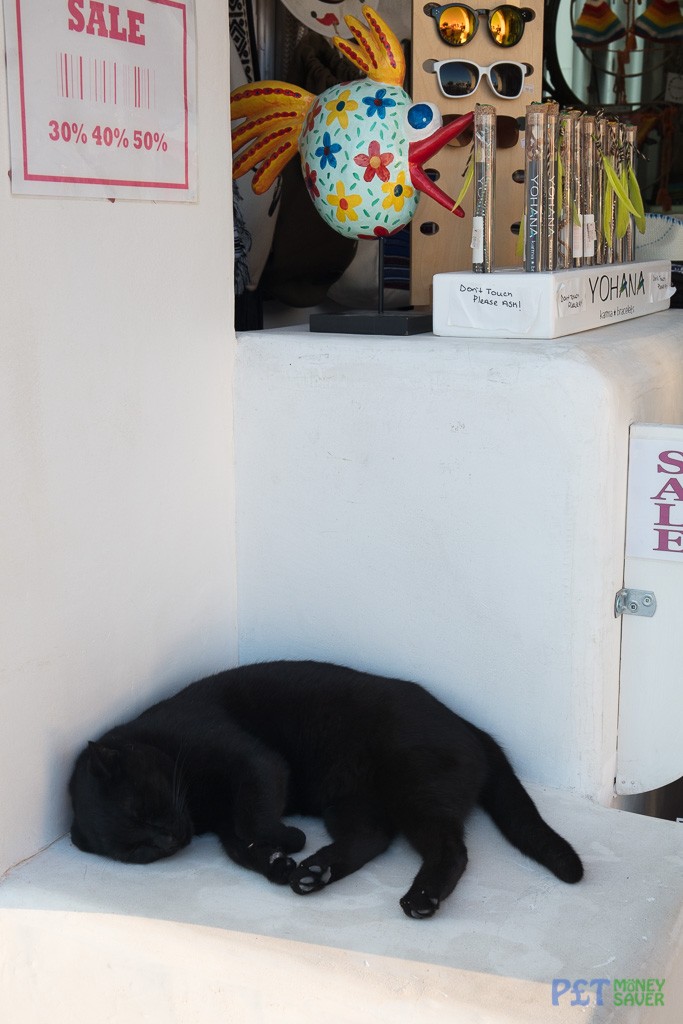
{"points": [[149, 842]]}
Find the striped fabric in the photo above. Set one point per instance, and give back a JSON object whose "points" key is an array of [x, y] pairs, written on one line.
{"points": [[597, 25], [661, 21]]}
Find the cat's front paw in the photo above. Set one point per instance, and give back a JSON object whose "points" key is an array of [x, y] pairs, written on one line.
{"points": [[293, 839], [418, 904], [280, 868], [310, 878]]}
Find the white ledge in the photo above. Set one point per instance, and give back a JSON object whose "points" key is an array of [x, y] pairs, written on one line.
{"points": [[198, 938]]}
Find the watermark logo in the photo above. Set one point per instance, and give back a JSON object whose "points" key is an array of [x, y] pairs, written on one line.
{"points": [[608, 992]]}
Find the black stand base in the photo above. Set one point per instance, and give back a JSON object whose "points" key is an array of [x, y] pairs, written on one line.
{"points": [[394, 322]]}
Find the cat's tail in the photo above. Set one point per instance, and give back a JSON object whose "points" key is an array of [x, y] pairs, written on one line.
{"points": [[516, 815]]}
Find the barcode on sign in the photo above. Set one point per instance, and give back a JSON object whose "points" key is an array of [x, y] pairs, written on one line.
{"points": [[105, 81]]}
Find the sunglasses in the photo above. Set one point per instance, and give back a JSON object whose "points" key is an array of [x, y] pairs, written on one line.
{"points": [[457, 24], [458, 78], [507, 132]]}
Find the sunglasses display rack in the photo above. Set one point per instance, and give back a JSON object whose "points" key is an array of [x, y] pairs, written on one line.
{"points": [[455, 78]]}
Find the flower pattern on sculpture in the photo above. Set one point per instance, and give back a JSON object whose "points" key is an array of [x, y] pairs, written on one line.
{"points": [[397, 192], [380, 232], [340, 108], [310, 177], [310, 120], [350, 172], [326, 152], [344, 203], [362, 153], [374, 162], [378, 104]]}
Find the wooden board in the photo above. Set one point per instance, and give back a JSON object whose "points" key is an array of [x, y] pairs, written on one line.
{"points": [[449, 247]]}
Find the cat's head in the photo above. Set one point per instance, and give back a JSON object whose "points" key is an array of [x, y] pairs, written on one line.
{"points": [[128, 803]]}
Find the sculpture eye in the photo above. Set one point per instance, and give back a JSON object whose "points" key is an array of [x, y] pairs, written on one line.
{"points": [[422, 119]]}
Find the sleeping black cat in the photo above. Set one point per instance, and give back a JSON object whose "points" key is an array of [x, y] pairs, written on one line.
{"points": [[374, 757]]}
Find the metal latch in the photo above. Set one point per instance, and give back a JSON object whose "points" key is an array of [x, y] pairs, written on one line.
{"points": [[635, 602]]}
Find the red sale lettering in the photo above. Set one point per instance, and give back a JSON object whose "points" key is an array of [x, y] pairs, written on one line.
{"points": [[668, 527], [671, 489], [107, 24], [76, 21], [669, 540], [135, 20], [665, 516], [669, 457]]}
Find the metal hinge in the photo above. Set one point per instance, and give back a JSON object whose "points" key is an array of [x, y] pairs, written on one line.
{"points": [[635, 602]]}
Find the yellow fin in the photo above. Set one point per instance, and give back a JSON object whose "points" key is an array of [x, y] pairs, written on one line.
{"points": [[271, 115], [258, 98], [375, 50]]}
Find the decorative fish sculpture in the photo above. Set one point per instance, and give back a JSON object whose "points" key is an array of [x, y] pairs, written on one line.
{"points": [[362, 144]]}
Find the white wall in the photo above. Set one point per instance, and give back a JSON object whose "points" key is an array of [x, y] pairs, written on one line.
{"points": [[116, 468], [452, 511]]}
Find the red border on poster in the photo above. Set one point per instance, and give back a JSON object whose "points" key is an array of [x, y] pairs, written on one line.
{"points": [[106, 181]]}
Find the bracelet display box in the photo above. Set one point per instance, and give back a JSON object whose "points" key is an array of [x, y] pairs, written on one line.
{"points": [[515, 304]]}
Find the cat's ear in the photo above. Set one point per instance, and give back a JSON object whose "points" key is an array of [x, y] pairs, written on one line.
{"points": [[104, 761]]}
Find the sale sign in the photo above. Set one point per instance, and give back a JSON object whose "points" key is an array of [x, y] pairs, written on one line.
{"points": [[102, 98], [655, 497]]}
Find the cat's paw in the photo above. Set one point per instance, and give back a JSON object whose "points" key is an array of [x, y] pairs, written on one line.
{"points": [[280, 868], [293, 839], [310, 878], [418, 904]]}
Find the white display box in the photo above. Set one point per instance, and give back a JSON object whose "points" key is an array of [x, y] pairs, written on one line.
{"points": [[515, 304]]}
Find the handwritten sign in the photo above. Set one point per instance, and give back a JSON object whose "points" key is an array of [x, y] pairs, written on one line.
{"points": [[513, 304], [102, 98]]}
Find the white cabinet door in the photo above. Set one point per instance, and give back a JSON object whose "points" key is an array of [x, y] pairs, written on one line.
{"points": [[650, 735]]}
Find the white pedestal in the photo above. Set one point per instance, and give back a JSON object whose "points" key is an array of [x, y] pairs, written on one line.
{"points": [[198, 939], [453, 511]]}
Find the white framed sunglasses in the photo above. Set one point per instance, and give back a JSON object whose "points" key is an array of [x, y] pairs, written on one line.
{"points": [[458, 78]]}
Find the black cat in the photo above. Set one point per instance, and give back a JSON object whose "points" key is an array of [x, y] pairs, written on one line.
{"points": [[374, 757]]}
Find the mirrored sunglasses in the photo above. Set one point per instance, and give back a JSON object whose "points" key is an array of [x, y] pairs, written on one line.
{"points": [[457, 24], [459, 78]]}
